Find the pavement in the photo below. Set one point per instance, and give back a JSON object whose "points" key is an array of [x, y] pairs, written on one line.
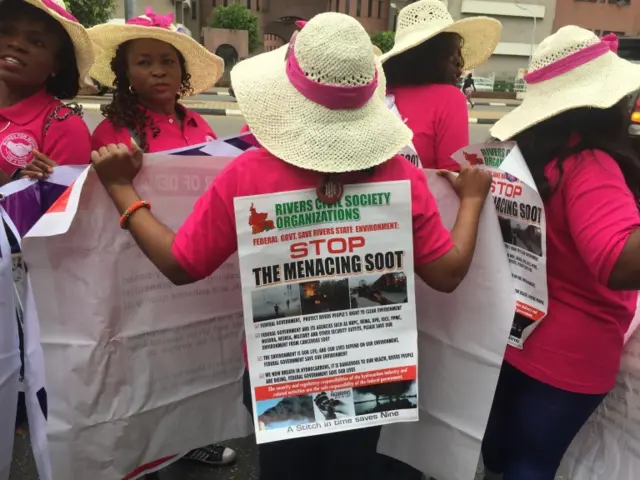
{"points": [[245, 467]]}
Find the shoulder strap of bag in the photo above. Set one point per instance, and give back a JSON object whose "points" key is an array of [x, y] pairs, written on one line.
{"points": [[134, 134]]}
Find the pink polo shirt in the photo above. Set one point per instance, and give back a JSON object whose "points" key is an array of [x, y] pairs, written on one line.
{"points": [[208, 237], [194, 130], [590, 216], [22, 129], [438, 117]]}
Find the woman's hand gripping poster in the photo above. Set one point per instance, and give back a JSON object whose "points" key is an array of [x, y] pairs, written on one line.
{"points": [[329, 308]]}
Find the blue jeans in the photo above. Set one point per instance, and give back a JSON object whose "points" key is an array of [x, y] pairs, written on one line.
{"points": [[531, 425]]}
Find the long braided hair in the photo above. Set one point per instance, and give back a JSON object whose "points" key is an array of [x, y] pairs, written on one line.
{"points": [[124, 110]]}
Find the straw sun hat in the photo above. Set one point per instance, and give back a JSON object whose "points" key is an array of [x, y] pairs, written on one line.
{"points": [[420, 21], [204, 67], [318, 103], [572, 68], [78, 34]]}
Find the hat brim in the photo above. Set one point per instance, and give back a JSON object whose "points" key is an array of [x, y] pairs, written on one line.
{"points": [[79, 36], [310, 136], [204, 67], [601, 83], [480, 35]]}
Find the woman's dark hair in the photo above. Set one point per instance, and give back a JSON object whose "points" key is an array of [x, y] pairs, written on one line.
{"points": [[65, 84], [580, 131], [424, 64], [124, 110]]}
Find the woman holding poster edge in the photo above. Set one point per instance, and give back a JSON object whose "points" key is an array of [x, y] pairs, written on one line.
{"points": [[572, 131], [423, 68], [299, 118], [150, 65]]}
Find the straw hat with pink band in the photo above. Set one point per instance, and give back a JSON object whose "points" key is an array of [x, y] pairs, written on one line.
{"points": [[204, 67], [572, 68], [318, 102], [82, 45]]}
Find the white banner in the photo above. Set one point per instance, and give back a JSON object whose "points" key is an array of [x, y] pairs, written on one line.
{"points": [[329, 309], [9, 356]]}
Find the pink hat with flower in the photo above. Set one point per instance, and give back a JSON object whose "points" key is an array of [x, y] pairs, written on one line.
{"points": [[79, 37], [204, 67]]}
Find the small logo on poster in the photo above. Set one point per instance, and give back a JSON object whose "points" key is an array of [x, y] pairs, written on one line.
{"points": [[473, 158], [259, 222]]}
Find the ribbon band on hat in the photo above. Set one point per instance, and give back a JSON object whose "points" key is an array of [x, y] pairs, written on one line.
{"points": [[608, 43], [152, 19], [333, 97]]}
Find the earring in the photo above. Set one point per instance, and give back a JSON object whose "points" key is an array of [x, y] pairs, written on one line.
{"points": [[131, 90], [53, 75]]}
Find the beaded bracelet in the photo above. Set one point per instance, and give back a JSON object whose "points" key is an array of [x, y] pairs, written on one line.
{"points": [[124, 219]]}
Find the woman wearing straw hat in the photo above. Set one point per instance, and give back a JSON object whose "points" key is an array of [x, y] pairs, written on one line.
{"points": [[317, 108], [572, 131], [151, 65], [423, 69], [45, 54]]}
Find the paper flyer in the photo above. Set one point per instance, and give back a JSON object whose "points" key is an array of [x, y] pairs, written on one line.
{"points": [[522, 223], [329, 308]]}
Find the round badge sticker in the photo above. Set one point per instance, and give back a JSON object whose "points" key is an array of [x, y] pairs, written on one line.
{"points": [[17, 148], [329, 190]]}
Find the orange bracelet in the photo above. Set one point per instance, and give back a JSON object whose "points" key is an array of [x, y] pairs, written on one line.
{"points": [[124, 219]]}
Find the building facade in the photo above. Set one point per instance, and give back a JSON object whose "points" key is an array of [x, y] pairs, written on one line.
{"points": [[524, 24], [621, 17]]}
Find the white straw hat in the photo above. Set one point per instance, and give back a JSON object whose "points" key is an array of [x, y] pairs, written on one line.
{"points": [[82, 45], [204, 67], [572, 68], [420, 21], [318, 103]]}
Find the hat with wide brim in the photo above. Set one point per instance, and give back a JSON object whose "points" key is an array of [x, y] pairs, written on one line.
{"points": [[79, 36], [309, 135], [420, 21], [600, 82], [204, 67]]}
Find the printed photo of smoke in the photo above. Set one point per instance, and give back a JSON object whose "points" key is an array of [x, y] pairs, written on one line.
{"points": [[334, 405], [285, 412], [375, 290], [385, 397]]}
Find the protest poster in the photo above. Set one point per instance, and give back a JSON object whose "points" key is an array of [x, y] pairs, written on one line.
{"points": [[522, 223], [329, 308]]}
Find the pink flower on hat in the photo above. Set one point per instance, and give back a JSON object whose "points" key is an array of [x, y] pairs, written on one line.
{"points": [[152, 19]]}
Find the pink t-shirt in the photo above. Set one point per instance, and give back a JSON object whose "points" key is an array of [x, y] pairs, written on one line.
{"points": [[578, 346], [208, 237], [22, 129], [194, 130], [438, 117]]}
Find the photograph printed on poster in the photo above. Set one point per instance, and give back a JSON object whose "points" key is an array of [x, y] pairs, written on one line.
{"points": [[285, 412], [324, 296], [378, 289], [334, 405], [522, 235], [275, 302], [385, 397]]}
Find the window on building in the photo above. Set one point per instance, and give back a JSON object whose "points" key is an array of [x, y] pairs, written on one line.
{"points": [[607, 32], [358, 8], [337, 5], [194, 11], [622, 3], [225, 3], [347, 7], [379, 8], [249, 4], [370, 10]]}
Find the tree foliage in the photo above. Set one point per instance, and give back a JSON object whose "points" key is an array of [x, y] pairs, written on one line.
{"points": [[237, 17], [91, 12], [383, 40]]}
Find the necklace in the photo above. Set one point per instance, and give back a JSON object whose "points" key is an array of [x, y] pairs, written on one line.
{"points": [[6, 126]]}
